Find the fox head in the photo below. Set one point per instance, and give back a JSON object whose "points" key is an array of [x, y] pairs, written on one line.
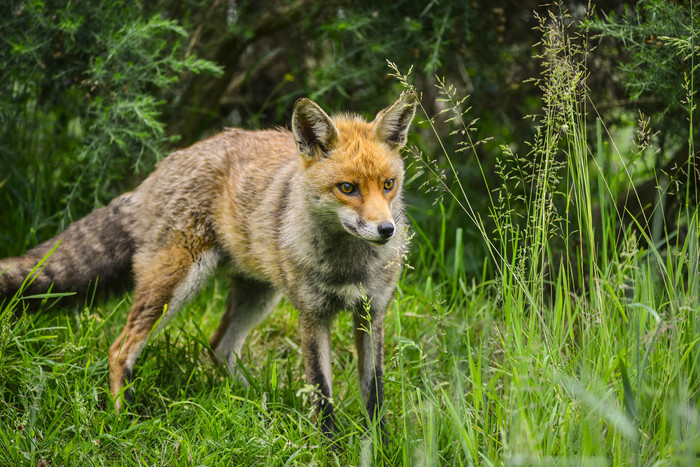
{"points": [[352, 168]]}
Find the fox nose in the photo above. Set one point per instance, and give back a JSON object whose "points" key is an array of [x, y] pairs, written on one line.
{"points": [[386, 229]]}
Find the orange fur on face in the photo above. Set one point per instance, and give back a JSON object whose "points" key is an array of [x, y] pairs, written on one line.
{"points": [[363, 160]]}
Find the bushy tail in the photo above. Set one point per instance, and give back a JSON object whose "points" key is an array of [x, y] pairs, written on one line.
{"points": [[95, 251]]}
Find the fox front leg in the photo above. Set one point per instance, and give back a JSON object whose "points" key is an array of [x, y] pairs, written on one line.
{"points": [[316, 347], [369, 340]]}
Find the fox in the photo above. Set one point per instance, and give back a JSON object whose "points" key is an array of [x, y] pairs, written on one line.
{"points": [[314, 214]]}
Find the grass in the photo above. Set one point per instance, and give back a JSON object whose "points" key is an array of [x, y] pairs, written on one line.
{"points": [[56, 405], [467, 382], [577, 345]]}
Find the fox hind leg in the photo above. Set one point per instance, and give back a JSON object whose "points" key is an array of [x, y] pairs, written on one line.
{"points": [[249, 303], [165, 281]]}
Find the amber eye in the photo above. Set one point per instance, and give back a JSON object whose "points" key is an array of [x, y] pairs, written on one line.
{"points": [[389, 184], [346, 188]]}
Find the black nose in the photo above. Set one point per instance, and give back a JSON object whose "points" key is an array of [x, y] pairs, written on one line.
{"points": [[386, 229]]}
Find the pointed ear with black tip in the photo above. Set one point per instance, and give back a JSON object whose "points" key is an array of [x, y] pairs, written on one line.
{"points": [[313, 129], [391, 124]]}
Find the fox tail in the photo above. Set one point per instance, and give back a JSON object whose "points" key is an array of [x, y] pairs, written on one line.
{"points": [[93, 253]]}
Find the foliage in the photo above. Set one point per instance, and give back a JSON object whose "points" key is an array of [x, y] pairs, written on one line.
{"points": [[82, 86], [659, 40], [585, 353], [658, 37], [539, 324]]}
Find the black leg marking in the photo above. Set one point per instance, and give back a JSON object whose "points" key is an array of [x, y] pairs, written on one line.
{"points": [[375, 400], [324, 407], [369, 340], [128, 388], [316, 346], [375, 395]]}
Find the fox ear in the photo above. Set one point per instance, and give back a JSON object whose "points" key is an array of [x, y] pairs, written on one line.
{"points": [[313, 129], [391, 124]]}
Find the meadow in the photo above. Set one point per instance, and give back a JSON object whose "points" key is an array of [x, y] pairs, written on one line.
{"points": [[577, 345]]}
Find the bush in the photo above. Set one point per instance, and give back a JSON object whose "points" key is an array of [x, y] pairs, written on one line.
{"points": [[81, 91]]}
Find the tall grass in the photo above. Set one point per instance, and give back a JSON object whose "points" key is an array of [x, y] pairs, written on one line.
{"points": [[578, 345], [589, 353]]}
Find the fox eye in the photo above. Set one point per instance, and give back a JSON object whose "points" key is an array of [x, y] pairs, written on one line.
{"points": [[389, 184], [346, 188]]}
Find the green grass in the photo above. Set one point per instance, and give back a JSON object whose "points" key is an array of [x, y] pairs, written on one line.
{"points": [[607, 378], [468, 380], [577, 345]]}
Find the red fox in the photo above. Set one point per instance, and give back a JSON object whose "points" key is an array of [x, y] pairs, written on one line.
{"points": [[314, 214]]}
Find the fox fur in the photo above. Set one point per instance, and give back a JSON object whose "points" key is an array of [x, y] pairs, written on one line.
{"points": [[314, 214]]}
